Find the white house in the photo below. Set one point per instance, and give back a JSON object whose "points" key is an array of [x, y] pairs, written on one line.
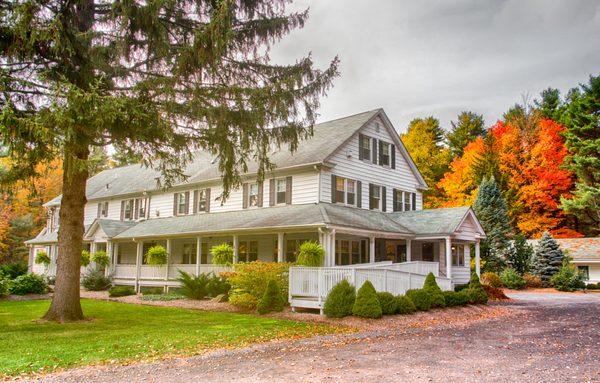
{"points": [[352, 186]]}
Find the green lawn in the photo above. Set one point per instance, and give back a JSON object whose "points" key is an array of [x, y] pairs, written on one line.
{"points": [[119, 331]]}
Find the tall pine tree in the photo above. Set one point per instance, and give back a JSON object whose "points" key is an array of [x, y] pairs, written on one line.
{"points": [[548, 258], [467, 128], [490, 208], [154, 78]]}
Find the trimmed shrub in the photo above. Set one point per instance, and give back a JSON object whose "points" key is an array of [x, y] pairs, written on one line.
{"points": [[217, 285], [13, 270], [156, 255], [421, 298], [511, 279], [340, 300], [271, 300], [458, 288], [491, 279], [430, 283], [366, 304], [474, 282], [120, 291], [152, 290], [4, 286], [95, 281], [193, 287], [404, 305], [161, 297], [42, 258], [28, 284], [593, 286], [387, 302], [568, 278], [310, 254], [222, 254], [252, 278], [85, 258], [101, 258], [532, 281], [476, 296], [452, 298], [431, 286], [494, 293]]}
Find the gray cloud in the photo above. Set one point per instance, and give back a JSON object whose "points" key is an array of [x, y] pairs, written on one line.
{"points": [[420, 58]]}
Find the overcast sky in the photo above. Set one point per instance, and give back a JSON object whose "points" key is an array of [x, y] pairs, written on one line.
{"points": [[419, 58]]}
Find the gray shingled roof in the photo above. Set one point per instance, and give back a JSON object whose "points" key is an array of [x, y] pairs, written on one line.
{"points": [[579, 248], [327, 137], [431, 221], [44, 238], [112, 227]]}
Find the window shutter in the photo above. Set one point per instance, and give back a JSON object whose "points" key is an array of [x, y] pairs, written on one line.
{"points": [[374, 154], [147, 208], [195, 200], [414, 201], [136, 208], [99, 210], [393, 149], [175, 197], [358, 194], [381, 153], [333, 182], [288, 190], [383, 199], [207, 193], [187, 202], [122, 210], [244, 196], [394, 199], [260, 195], [272, 192], [370, 196], [360, 146]]}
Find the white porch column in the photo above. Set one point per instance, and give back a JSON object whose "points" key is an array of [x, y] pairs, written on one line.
{"points": [[198, 254], [280, 255], [236, 246], [168, 261], [31, 259], [115, 256], [477, 259], [138, 264], [408, 248], [109, 250], [93, 247], [371, 249], [332, 246], [448, 258]]}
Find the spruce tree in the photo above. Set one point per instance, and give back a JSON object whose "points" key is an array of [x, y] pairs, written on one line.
{"points": [[491, 210], [519, 255], [548, 258], [157, 79]]}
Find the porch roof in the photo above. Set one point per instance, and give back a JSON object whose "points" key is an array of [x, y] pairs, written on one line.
{"points": [[445, 221], [110, 227], [45, 237], [290, 216]]}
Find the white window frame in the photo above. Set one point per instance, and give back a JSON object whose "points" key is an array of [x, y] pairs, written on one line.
{"points": [[346, 191], [181, 204], [386, 155], [129, 205], [374, 187], [406, 205], [202, 200], [142, 207], [279, 182], [369, 142], [458, 255], [103, 209], [245, 250], [253, 197]]}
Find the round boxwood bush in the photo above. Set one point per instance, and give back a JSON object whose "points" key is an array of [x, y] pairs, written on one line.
{"points": [[120, 291], [367, 305], [157, 255], [310, 254], [271, 300], [491, 279], [512, 280], [101, 258], [340, 300], [421, 298], [85, 258], [387, 302], [404, 305], [4, 286], [431, 286], [222, 254], [42, 258], [28, 284]]}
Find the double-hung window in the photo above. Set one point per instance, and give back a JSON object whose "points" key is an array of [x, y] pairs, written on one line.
{"points": [[188, 255], [248, 251], [280, 189], [128, 209], [407, 201], [398, 202], [103, 209], [202, 200], [142, 206], [253, 194], [375, 197], [181, 204], [458, 255], [345, 191], [365, 148], [385, 154]]}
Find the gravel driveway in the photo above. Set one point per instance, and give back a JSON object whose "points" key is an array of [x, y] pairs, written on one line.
{"points": [[554, 338]]}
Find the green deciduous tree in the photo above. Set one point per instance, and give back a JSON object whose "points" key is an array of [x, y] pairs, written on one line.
{"points": [[465, 129], [582, 119], [156, 79], [490, 208]]}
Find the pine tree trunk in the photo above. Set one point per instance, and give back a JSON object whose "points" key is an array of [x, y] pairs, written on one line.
{"points": [[65, 305]]}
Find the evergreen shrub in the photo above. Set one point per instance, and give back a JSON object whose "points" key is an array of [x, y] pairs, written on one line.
{"points": [[271, 300], [421, 298], [568, 278], [95, 281], [367, 305], [404, 305], [340, 300], [431, 286], [387, 302], [512, 280], [120, 291], [28, 284]]}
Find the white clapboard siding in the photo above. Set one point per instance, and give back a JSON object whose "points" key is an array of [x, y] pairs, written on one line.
{"points": [[348, 165]]}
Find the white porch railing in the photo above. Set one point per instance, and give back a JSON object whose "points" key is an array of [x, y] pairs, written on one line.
{"points": [[309, 286], [154, 273], [418, 267], [124, 272]]}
